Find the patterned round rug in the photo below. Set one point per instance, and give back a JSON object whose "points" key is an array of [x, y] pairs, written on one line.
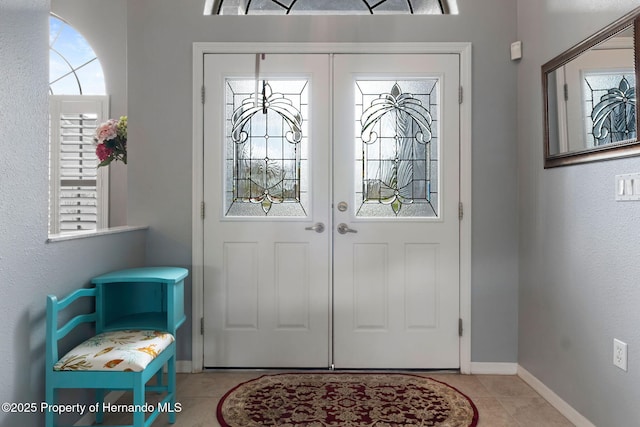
{"points": [[345, 400]]}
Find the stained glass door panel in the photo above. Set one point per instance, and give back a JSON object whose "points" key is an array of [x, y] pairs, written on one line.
{"points": [[266, 148], [610, 107], [397, 148]]}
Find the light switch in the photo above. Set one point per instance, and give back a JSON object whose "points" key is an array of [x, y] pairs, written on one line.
{"points": [[628, 187], [516, 50], [620, 187]]}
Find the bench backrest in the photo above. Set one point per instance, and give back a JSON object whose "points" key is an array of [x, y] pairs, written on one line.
{"points": [[56, 332]]}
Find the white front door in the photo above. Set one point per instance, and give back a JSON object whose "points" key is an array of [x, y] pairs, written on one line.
{"points": [[378, 286], [396, 169], [266, 293]]}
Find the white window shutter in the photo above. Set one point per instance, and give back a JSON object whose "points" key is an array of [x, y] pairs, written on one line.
{"points": [[79, 190]]}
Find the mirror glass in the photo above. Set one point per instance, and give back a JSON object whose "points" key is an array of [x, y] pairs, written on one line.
{"points": [[590, 98]]}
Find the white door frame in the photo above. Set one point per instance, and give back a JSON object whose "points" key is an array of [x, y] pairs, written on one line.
{"points": [[197, 276]]}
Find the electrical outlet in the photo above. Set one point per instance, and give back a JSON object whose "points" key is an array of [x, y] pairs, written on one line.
{"points": [[620, 354]]}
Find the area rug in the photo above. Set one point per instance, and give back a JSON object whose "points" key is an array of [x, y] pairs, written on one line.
{"points": [[345, 400]]}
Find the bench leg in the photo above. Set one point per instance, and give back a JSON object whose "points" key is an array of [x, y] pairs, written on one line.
{"points": [[171, 380], [159, 378], [139, 400], [50, 397], [100, 402]]}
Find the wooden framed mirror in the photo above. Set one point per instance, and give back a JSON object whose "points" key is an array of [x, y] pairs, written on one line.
{"points": [[590, 92]]}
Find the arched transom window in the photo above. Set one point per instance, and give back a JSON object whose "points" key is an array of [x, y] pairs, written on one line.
{"points": [[341, 7]]}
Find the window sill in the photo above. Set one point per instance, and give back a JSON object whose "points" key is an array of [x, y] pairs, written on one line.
{"points": [[86, 234]]}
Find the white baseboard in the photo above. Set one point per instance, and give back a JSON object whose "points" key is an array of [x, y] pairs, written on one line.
{"points": [[483, 368], [184, 366], [556, 401]]}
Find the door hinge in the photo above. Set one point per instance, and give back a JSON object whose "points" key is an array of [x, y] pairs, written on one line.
{"points": [[202, 326], [459, 327], [460, 95], [566, 92], [202, 92], [202, 210], [460, 211]]}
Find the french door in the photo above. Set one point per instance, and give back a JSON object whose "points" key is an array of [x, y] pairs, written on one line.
{"points": [[334, 233]]}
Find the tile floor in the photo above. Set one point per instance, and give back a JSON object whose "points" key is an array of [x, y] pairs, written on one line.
{"points": [[502, 401]]}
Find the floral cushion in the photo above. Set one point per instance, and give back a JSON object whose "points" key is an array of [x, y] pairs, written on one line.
{"points": [[129, 350]]}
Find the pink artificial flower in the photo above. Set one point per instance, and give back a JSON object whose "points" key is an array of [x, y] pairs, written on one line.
{"points": [[103, 152], [107, 130]]}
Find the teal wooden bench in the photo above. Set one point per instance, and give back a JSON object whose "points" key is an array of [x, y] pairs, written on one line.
{"points": [[122, 357]]}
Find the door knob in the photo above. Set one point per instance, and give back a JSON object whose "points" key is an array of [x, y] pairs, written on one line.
{"points": [[344, 229], [318, 227]]}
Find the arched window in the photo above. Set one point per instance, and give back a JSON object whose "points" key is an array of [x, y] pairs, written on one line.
{"points": [[74, 68], [312, 7], [78, 191]]}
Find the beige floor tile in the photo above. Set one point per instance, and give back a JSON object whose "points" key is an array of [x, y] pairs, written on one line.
{"points": [[470, 385], [212, 384], [533, 412], [506, 385], [492, 413], [195, 412]]}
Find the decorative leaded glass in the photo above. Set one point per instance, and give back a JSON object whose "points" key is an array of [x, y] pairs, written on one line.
{"points": [[611, 107], [266, 148], [307, 7], [397, 148]]}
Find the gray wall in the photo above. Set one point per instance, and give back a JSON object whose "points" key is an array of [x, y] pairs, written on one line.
{"points": [[579, 249], [30, 268], [161, 34]]}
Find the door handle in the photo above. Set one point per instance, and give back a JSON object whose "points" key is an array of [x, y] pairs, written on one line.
{"points": [[318, 227], [344, 229]]}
